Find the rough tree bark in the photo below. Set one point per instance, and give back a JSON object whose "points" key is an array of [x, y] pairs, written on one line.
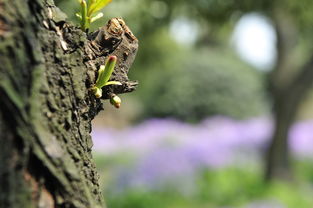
{"points": [[47, 66], [288, 90]]}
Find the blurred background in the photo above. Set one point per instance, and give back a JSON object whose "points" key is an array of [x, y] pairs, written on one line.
{"points": [[222, 116]]}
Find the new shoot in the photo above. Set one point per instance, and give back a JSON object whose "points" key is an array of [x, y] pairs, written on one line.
{"points": [[89, 12], [104, 74]]}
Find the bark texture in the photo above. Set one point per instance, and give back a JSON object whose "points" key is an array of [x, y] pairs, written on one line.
{"points": [[47, 67]]}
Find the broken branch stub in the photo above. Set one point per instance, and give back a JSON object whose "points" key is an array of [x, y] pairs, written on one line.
{"points": [[113, 39]]}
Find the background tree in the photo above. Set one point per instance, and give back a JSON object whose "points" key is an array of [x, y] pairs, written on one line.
{"points": [[291, 77], [47, 68]]}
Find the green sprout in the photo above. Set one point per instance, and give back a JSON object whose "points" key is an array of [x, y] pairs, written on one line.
{"points": [[104, 74], [89, 12]]}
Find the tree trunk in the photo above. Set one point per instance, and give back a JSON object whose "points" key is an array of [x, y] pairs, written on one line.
{"points": [[288, 91], [47, 67], [285, 110]]}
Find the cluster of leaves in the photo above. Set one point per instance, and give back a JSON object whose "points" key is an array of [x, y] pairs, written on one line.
{"points": [[89, 12]]}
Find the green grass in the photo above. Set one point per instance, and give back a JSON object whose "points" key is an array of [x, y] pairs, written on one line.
{"points": [[231, 187]]}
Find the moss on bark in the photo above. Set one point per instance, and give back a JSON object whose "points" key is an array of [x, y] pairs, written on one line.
{"points": [[47, 67]]}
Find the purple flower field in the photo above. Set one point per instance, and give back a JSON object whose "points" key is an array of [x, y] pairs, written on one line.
{"points": [[164, 150]]}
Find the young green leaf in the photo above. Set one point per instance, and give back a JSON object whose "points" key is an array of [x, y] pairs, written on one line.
{"points": [[105, 72], [98, 16], [88, 12], [100, 80], [98, 5], [113, 83], [84, 22], [79, 16]]}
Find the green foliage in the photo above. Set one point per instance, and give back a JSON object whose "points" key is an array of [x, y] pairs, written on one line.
{"points": [[304, 170], [290, 195], [89, 12], [205, 83], [230, 187], [302, 16]]}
